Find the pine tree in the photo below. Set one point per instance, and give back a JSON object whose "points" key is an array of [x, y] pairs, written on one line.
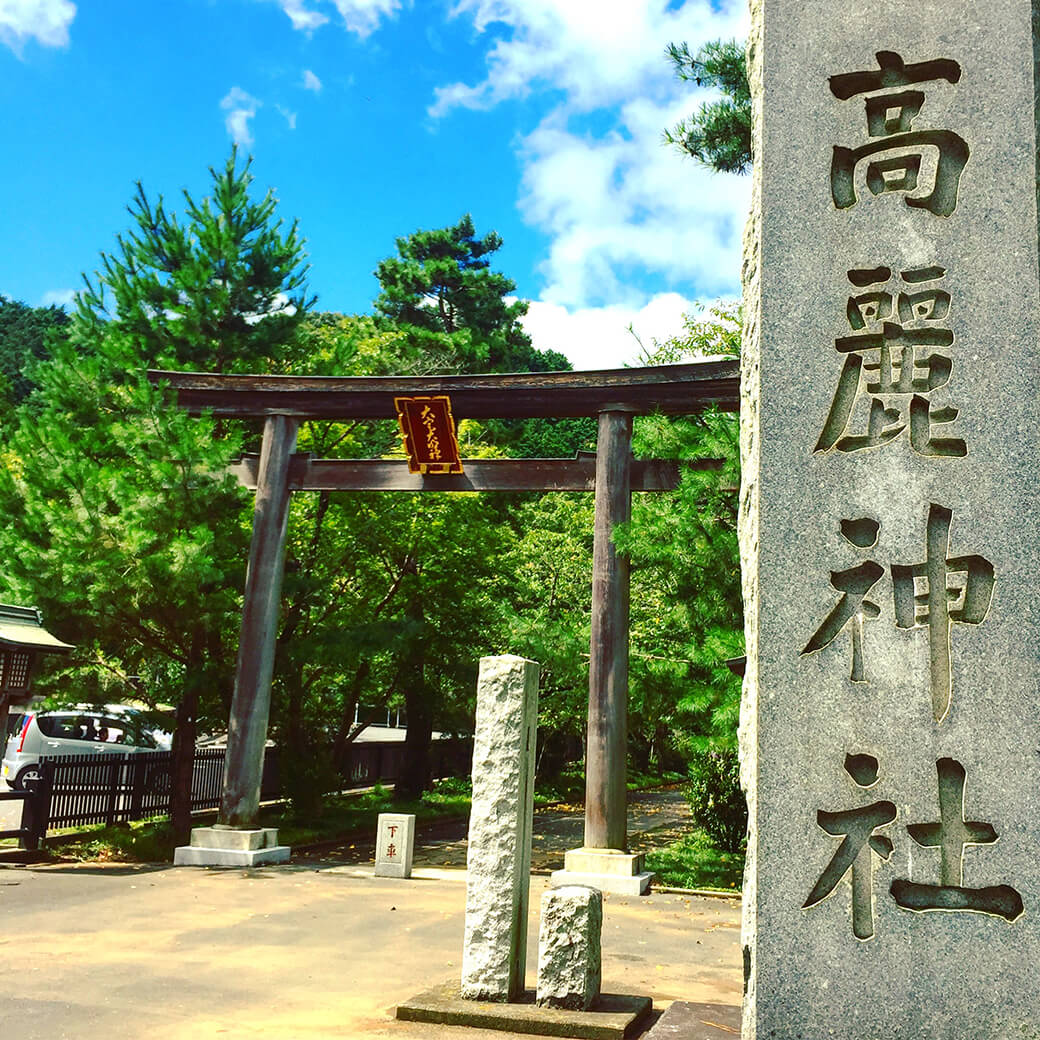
{"points": [[118, 518], [441, 290], [718, 134]]}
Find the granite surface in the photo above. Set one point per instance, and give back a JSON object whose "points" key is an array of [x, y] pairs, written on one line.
{"points": [[569, 950], [889, 535], [500, 822]]}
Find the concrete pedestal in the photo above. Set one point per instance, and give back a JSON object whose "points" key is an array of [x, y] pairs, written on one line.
{"points": [[228, 847], [609, 870]]}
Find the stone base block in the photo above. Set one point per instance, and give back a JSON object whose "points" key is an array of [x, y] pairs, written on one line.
{"points": [[609, 870], [569, 959], [689, 1021], [603, 861], [229, 847], [232, 838], [618, 884], [611, 1017]]}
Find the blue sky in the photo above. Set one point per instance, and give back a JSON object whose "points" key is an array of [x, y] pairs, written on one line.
{"points": [[370, 119]]}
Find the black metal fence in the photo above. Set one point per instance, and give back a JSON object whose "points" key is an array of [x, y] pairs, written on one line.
{"points": [[76, 790]]}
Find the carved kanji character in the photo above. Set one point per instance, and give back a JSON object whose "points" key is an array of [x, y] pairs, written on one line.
{"points": [[853, 608], [891, 367], [952, 834], [857, 826], [938, 592], [925, 165]]}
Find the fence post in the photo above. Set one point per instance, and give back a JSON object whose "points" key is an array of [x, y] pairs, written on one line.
{"points": [[36, 809], [137, 766], [117, 763]]}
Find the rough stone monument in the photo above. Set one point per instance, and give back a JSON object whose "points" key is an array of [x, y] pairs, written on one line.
{"points": [[890, 534], [395, 844], [501, 817], [569, 950]]}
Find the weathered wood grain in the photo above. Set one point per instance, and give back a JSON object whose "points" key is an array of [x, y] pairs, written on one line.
{"points": [[605, 794], [578, 474], [250, 706], [670, 389]]}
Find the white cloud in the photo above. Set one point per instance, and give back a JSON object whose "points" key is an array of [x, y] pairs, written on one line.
{"points": [[58, 298], [46, 21], [629, 221], [301, 17], [288, 115], [358, 16], [599, 337], [597, 51], [622, 208], [240, 108], [363, 16], [311, 82]]}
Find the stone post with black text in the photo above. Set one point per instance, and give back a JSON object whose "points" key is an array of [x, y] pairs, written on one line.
{"points": [[890, 537]]}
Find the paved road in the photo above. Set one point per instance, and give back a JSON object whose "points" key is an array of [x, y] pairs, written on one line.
{"points": [[297, 951]]}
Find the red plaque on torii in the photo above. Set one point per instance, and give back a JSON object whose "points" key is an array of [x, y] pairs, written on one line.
{"points": [[428, 430]]}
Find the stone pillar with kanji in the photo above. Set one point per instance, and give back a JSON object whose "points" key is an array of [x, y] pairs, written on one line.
{"points": [[889, 532]]}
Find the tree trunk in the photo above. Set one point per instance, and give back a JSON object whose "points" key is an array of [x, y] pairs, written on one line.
{"points": [[415, 769], [184, 735]]}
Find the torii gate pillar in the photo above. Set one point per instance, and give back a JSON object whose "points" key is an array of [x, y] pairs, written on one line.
{"points": [[238, 839], [604, 861]]}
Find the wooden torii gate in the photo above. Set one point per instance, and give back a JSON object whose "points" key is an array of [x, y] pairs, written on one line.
{"points": [[614, 396]]}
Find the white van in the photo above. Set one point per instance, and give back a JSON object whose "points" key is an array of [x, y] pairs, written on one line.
{"points": [[78, 731]]}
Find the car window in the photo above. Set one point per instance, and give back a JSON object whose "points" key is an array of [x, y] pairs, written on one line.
{"points": [[63, 727], [87, 727], [113, 731], [143, 738]]}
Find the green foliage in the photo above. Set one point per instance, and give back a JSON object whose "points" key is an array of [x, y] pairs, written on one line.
{"points": [[119, 520], [716, 800], [440, 289], [714, 332], [718, 134], [111, 505], [549, 614], [694, 862], [222, 290], [687, 615], [26, 336]]}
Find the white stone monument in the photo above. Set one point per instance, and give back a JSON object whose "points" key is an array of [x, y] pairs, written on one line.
{"points": [[569, 950], [890, 534], [395, 844], [501, 818]]}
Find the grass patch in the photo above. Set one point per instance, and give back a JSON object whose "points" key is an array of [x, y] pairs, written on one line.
{"points": [[143, 841], [694, 862], [342, 815], [569, 787]]}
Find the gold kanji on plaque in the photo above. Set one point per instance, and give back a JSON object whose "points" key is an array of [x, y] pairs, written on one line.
{"points": [[428, 431]]}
